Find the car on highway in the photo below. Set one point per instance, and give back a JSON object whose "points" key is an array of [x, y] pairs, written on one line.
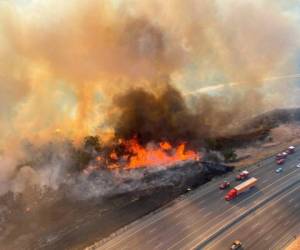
{"points": [[236, 245], [291, 150], [280, 161], [298, 165], [279, 156], [242, 175], [278, 170], [225, 184], [282, 155]]}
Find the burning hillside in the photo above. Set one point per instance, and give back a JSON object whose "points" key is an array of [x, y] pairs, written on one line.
{"points": [[132, 77], [130, 154], [115, 96], [135, 155]]}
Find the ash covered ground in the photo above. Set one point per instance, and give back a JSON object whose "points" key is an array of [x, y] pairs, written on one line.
{"points": [[87, 209]]}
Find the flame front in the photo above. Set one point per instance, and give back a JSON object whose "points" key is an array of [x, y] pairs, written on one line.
{"points": [[162, 154]]}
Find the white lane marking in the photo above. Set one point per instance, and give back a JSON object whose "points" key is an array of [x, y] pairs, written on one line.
{"points": [[152, 230], [255, 225], [264, 181], [150, 241], [157, 246], [260, 232], [268, 237], [277, 245], [182, 213], [291, 200], [288, 239], [279, 217], [177, 223], [177, 215], [200, 209], [255, 202], [274, 211], [207, 214]]}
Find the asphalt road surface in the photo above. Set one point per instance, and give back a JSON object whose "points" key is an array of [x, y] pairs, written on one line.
{"points": [[266, 217], [270, 227]]}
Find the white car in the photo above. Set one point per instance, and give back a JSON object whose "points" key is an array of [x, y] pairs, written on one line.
{"points": [[298, 165], [246, 172]]}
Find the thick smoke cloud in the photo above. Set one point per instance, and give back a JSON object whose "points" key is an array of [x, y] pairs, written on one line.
{"points": [[153, 117], [63, 66], [165, 115], [62, 63]]}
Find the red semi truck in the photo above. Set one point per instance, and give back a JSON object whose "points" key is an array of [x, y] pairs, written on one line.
{"points": [[243, 187]]}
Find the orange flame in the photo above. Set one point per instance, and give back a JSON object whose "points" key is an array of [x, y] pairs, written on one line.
{"points": [[156, 155], [113, 156], [165, 145]]}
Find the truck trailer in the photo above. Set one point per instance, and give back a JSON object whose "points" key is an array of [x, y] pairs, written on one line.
{"points": [[243, 187]]}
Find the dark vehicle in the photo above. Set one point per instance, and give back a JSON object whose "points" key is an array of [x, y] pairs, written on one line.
{"points": [[236, 245], [224, 185], [280, 161]]}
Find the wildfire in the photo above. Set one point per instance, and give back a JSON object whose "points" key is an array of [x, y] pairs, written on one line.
{"points": [[153, 154]]}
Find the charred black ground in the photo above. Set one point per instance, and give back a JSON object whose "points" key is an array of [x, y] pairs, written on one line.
{"points": [[59, 220]]}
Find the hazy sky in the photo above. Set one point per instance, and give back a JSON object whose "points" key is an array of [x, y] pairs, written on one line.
{"points": [[59, 58]]}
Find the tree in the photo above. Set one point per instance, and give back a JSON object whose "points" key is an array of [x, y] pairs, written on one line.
{"points": [[212, 157], [82, 159], [91, 146], [92, 143], [229, 155]]}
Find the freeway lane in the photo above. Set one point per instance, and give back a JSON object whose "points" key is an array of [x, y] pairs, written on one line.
{"points": [[189, 222], [268, 227], [233, 214]]}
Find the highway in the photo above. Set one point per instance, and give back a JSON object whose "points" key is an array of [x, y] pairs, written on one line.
{"points": [[265, 217], [272, 226]]}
